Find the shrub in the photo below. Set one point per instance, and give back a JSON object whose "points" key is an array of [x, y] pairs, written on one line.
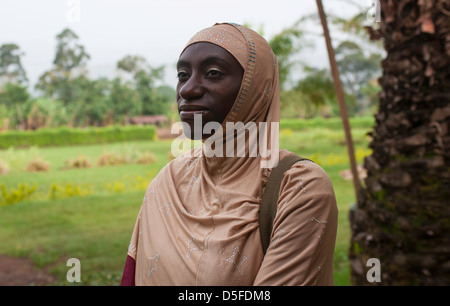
{"points": [[22, 192], [146, 158], [70, 136], [38, 165], [110, 159], [117, 187], [78, 163], [67, 190]]}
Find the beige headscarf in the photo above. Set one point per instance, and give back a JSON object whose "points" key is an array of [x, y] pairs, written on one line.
{"points": [[198, 224], [257, 105]]}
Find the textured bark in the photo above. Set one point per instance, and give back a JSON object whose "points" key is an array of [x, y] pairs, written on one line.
{"points": [[403, 212]]}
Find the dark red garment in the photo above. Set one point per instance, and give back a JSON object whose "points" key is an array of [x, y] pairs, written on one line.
{"points": [[128, 272]]}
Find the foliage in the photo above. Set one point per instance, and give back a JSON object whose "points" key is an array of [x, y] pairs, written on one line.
{"points": [[314, 94], [142, 78], [67, 77], [110, 159], [124, 100], [66, 190], [13, 101], [13, 94], [69, 53], [67, 96], [146, 158], [284, 47], [79, 162], [20, 193], [312, 90], [357, 70], [326, 123], [10, 64], [66, 136]]}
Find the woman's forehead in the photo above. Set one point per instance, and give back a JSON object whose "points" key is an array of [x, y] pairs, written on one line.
{"points": [[226, 36], [206, 52]]}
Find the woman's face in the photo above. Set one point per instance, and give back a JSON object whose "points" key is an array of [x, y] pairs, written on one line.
{"points": [[209, 79]]}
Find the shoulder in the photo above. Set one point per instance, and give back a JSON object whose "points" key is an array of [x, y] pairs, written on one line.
{"points": [[309, 173], [306, 184]]}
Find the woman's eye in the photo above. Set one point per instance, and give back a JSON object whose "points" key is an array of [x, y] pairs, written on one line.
{"points": [[214, 72], [182, 75]]}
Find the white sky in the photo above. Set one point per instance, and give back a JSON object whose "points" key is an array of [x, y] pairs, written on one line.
{"points": [[154, 29]]}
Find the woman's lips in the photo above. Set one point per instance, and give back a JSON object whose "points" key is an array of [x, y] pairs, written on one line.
{"points": [[189, 114]]}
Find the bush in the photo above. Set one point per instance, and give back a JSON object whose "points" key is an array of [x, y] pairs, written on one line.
{"points": [[146, 158], [23, 192], [67, 190], [38, 165], [110, 159], [70, 136], [78, 163]]}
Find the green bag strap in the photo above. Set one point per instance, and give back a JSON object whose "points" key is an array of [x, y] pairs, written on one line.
{"points": [[269, 200]]}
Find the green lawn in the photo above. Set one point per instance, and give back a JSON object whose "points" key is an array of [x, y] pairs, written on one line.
{"points": [[96, 227]]}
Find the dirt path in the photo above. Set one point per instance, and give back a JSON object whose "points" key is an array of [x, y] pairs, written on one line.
{"points": [[22, 272]]}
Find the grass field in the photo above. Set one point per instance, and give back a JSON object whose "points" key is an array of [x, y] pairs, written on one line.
{"points": [[89, 213]]}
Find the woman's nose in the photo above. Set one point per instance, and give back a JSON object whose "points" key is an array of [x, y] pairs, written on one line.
{"points": [[192, 88]]}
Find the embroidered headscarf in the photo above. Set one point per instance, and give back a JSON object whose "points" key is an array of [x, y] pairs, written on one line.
{"points": [[256, 109]]}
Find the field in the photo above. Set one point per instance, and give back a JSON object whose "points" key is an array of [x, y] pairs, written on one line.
{"points": [[89, 213]]}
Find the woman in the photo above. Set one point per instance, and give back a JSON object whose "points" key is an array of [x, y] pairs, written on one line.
{"points": [[198, 224]]}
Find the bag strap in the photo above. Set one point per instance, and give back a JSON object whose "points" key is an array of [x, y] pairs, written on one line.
{"points": [[268, 208]]}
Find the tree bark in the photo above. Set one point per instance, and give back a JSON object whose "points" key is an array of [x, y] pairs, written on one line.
{"points": [[403, 212]]}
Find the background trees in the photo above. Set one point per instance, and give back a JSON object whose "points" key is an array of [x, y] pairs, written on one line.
{"points": [[307, 90], [11, 70], [68, 96]]}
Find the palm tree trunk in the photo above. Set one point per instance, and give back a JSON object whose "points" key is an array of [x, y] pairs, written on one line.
{"points": [[403, 212]]}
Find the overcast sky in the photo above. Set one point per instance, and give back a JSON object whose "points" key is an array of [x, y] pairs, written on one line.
{"points": [[154, 29]]}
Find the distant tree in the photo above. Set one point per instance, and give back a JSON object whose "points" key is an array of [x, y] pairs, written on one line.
{"points": [[11, 70], [14, 97], [70, 54], [44, 112], [133, 64], [69, 64], [357, 70], [13, 94], [123, 100], [358, 57], [143, 78], [284, 46], [314, 91], [94, 102], [313, 95]]}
